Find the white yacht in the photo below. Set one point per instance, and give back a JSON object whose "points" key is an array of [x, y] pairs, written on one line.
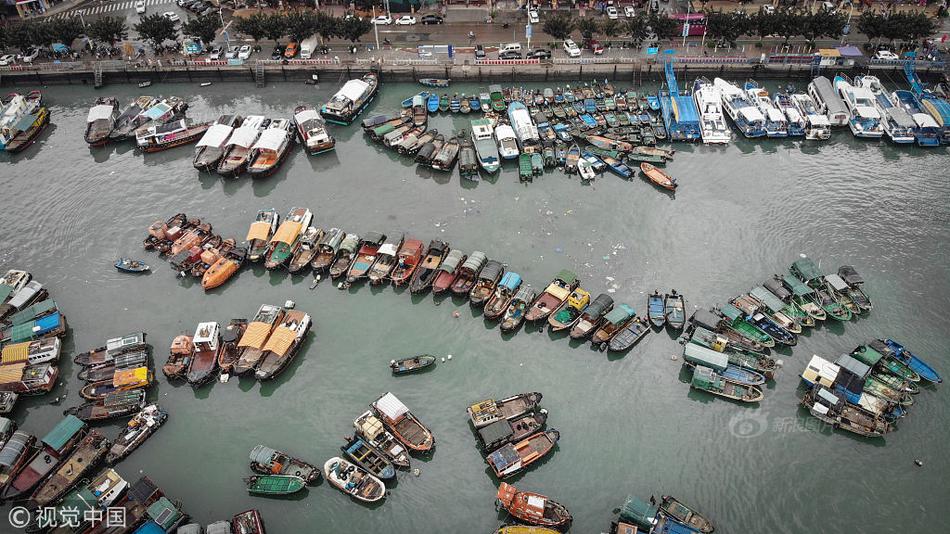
{"points": [[776, 125], [865, 120], [524, 127], [709, 104], [817, 125], [898, 124], [796, 121], [743, 112], [507, 142]]}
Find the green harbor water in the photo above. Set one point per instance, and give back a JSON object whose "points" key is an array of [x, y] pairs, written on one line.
{"points": [[629, 423]]}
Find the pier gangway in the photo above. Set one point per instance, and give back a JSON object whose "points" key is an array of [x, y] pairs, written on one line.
{"points": [[680, 115]]}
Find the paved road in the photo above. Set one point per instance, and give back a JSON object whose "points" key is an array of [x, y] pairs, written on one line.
{"points": [[124, 7]]}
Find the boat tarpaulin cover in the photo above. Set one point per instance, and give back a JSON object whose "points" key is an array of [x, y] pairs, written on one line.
{"points": [[262, 455], [352, 90], [504, 457], [371, 427], [491, 271], [836, 282], [820, 371], [859, 368], [164, 513], [258, 230], [244, 136], [271, 139], [216, 135], [287, 232], [388, 249], [5, 425], [699, 355], [63, 432], [100, 112], [511, 280], [867, 355], [567, 276], [391, 407], [281, 340], [619, 314], [127, 377], [475, 260], [14, 447], [638, 512], [15, 353], [11, 373], [255, 335], [33, 311], [495, 431], [306, 115]]}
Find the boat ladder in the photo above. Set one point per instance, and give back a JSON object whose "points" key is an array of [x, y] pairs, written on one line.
{"points": [[97, 75], [259, 74]]}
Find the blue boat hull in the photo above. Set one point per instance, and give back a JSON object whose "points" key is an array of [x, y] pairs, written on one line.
{"points": [[917, 365]]}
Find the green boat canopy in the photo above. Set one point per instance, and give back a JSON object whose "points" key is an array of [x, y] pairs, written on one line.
{"points": [[705, 378], [639, 513], [731, 312], [164, 513], [63, 432], [867, 355], [806, 269], [702, 356], [567, 276], [797, 286], [27, 314], [619, 314]]}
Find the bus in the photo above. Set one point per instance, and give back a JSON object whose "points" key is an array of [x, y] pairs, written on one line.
{"points": [[696, 21]]}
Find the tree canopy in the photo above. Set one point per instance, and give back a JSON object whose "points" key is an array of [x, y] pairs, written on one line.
{"points": [[156, 29], [559, 26]]}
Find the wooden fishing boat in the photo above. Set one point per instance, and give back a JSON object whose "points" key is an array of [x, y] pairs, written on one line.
{"points": [[504, 431], [30, 127], [485, 412], [365, 257], [430, 150], [658, 177], [527, 529], [517, 309], [85, 457], [351, 100], [591, 317], [877, 355], [348, 248], [128, 265], [839, 290], [419, 111], [656, 310], [251, 345], [444, 160], [122, 380], [371, 429], [854, 289], [128, 360], [465, 104], [403, 424], [671, 507], [553, 297], [286, 239], [524, 167], [137, 430], [705, 379], [568, 314], [99, 121], [386, 259], [614, 322], [170, 135], [283, 344], [674, 309], [15, 453], [802, 296], [268, 461], [249, 522], [413, 147], [112, 348], [696, 355], [274, 484], [737, 355], [617, 167], [230, 352], [756, 315], [271, 148], [404, 366], [785, 315], [239, 147], [179, 357], [632, 332], [532, 508], [306, 249], [426, 271], [824, 405], [210, 148], [260, 232], [435, 82], [353, 480], [328, 247], [409, 255], [312, 131], [444, 103], [44, 458], [368, 458], [204, 359], [511, 459], [468, 158], [467, 273], [485, 283], [501, 297], [448, 271], [736, 321]]}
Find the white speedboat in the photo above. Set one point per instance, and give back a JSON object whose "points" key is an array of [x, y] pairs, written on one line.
{"points": [[507, 142], [817, 125], [796, 121], [712, 121], [865, 120], [743, 112], [776, 125], [898, 124]]}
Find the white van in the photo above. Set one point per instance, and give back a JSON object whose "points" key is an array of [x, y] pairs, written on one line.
{"points": [[510, 47], [308, 46]]}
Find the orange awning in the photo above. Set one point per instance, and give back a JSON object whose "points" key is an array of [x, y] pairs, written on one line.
{"points": [[280, 341], [255, 335], [18, 352], [287, 232], [11, 373], [259, 230]]}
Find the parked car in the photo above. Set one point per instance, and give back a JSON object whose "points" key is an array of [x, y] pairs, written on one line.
{"points": [[629, 12], [596, 47], [232, 53], [479, 52], [215, 53], [208, 10], [172, 16], [406, 20], [571, 48], [244, 52], [538, 53], [30, 54], [292, 50], [533, 16], [140, 7], [278, 52], [7, 59], [431, 19], [886, 55], [509, 54], [612, 13], [383, 20]]}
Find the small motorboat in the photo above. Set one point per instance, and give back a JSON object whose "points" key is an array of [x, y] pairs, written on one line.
{"points": [[656, 310], [405, 366], [274, 484], [658, 177], [353, 480], [128, 265], [674, 308], [435, 82], [532, 508]]}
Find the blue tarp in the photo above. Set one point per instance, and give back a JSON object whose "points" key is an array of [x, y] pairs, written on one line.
{"points": [[150, 528], [511, 280], [48, 323], [59, 48]]}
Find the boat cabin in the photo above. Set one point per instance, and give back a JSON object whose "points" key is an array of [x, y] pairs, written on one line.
{"points": [[820, 371], [28, 379], [40, 309], [206, 337], [165, 515], [703, 357], [390, 408]]}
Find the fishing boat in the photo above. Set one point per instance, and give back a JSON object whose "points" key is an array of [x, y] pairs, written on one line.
{"points": [[696, 355], [592, 316], [524, 128], [626, 336], [448, 271], [71, 470], [708, 98], [824, 405], [353, 480], [409, 255], [507, 142], [484, 100], [502, 296], [248, 522], [371, 429], [737, 322], [237, 150], [444, 103], [403, 424], [864, 120], [511, 459], [532, 508], [114, 405], [877, 355], [136, 431], [917, 365], [497, 97], [553, 297], [565, 317], [467, 273], [429, 150], [15, 453], [386, 259], [260, 232], [404, 366], [368, 458], [285, 240], [432, 103], [312, 131], [347, 252], [736, 355], [283, 344], [685, 515], [455, 105], [274, 484], [485, 283], [419, 111], [817, 125], [776, 124], [515, 313], [100, 119], [656, 309], [485, 147], [365, 257], [468, 159], [251, 345], [485, 412], [854, 290], [444, 160], [839, 291], [271, 148], [127, 120], [112, 348], [525, 172], [658, 177], [128, 265], [210, 148], [96, 373], [586, 170], [268, 461], [425, 272], [927, 131], [465, 104], [351, 100], [170, 135], [801, 296], [44, 458], [504, 431], [122, 380], [204, 359], [179, 357], [674, 308], [230, 352], [306, 249], [328, 246], [775, 308], [435, 82], [705, 379], [743, 112]]}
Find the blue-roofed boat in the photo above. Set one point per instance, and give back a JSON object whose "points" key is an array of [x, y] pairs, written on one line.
{"points": [[617, 167], [927, 133], [432, 103], [590, 105], [656, 310], [917, 365], [407, 103], [474, 103], [939, 109], [654, 102]]}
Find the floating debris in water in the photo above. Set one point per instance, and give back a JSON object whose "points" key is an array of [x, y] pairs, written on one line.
{"points": [[919, 463], [290, 304], [456, 314], [416, 471], [449, 356], [673, 357]]}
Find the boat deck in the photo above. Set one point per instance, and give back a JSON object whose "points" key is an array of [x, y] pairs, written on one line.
{"points": [[412, 431]]}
